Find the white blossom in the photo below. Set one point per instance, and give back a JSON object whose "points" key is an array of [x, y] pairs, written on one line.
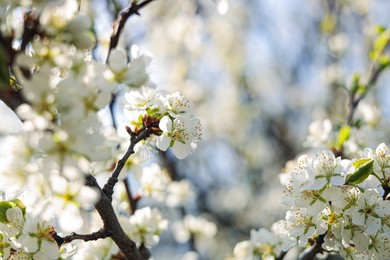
{"points": [[145, 226], [182, 134], [198, 227]]}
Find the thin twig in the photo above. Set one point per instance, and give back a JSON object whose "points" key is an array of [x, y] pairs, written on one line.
{"points": [[373, 76], [121, 21], [102, 233], [133, 201], [143, 134]]}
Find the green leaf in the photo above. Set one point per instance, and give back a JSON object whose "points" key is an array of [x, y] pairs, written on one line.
{"points": [[355, 82], [343, 135], [379, 44], [328, 23], [380, 29], [20, 204], [4, 206], [384, 61], [363, 170], [360, 162]]}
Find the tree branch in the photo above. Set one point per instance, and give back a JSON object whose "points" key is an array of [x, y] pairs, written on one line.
{"points": [[315, 249], [112, 225], [133, 201], [102, 233], [373, 76], [136, 137], [120, 22], [117, 29]]}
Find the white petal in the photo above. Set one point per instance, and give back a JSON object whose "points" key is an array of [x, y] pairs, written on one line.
{"points": [[88, 196], [296, 231], [337, 180], [317, 184], [358, 218], [166, 124], [70, 219], [50, 249], [117, 60], [163, 142], [373, 225], [361, 241], [181, 150]]}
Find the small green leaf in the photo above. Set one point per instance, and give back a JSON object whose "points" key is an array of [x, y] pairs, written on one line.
{"points": [[20, 204], [363, 170], [380, 29], [343, 135], [360, 162], [362, 89], [355, 82], [328, 23], [380, 44], [4, 206], [384, 61]]}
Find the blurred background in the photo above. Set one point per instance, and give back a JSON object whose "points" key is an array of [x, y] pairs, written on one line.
{"points": [[259, 72]]}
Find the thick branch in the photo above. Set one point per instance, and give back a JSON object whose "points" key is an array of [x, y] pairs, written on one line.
{"points": [[112, 225]]}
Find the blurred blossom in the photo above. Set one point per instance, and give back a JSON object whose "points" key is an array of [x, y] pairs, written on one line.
{"points": [[145, 226], [338, 43], [228, 64], [191, 226], [319, 133], [180, 193], [223, 6], [154, 182]]}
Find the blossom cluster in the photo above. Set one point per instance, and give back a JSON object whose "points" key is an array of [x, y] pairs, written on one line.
{"points": [[65, 139], [263, 244], [193, 227], [155, 183], [340, 201], [27, 235], [145, 226], [325, 200], [179, 128]]}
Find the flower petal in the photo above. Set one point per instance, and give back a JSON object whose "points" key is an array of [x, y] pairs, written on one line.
{"points": [[181, 150], [163, 142]]}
